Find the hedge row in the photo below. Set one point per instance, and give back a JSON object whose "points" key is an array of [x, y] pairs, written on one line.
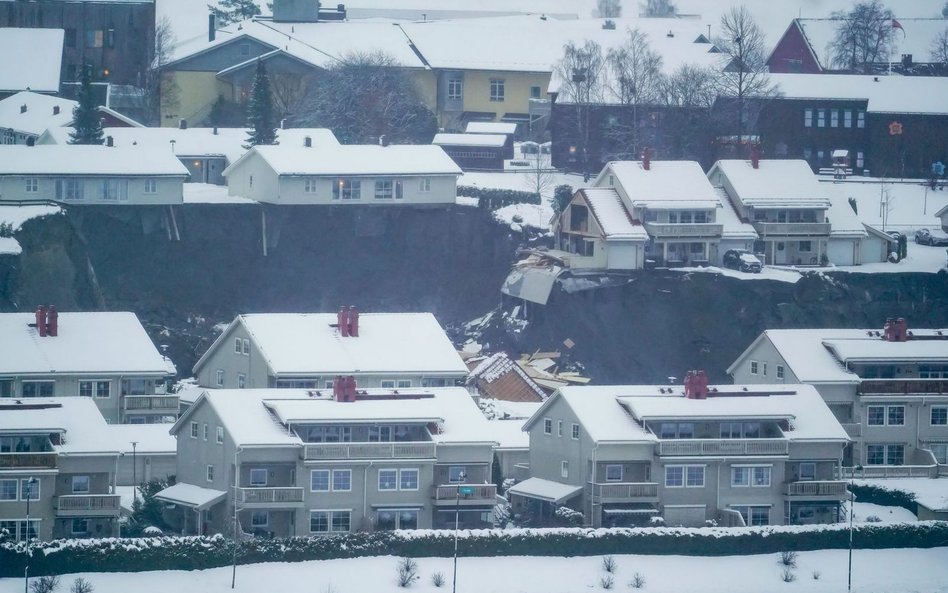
{"points": [[885, 497], [492, 198], [189, 553]]}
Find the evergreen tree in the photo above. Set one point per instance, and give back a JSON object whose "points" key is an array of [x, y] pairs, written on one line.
{"points": [[87, 127], [231, 11], [260, 116]]}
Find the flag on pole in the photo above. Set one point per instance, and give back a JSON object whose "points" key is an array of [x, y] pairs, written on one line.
{"points": [[897, 25]]}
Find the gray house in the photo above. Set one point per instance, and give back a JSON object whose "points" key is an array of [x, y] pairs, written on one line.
{"points": [[888, 388], [104, 356], [734, 455], [59, 453], [318, 462], [309, 350]]}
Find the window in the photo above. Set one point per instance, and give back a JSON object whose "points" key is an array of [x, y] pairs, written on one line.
{"points": [[341, 480], [388, 479], [340, 521], [259, 519], [613, 473], [941, 452], [94, 388], [763, 368], [151, 186], [220, 377], [329, 521], [380, 434], [677, 430], [896, 416], [861, 119], [455, 89], [319, 480], [885, 415], [80, 526], [753, 515], [80, 484], [390, 519], [878, 454], [821, 118], [238, 348], [559, 428], [496, 89], [684, 476], [210, 473], [674, 476], [113, 189], [69, 189], [94, 38], [32, 185], [807, 471], [424, 185], [806, 246], [408, 479], [848, 118], [244, 49], [760, 477], [387, 384], [383, 189], [194, 430], [220, 434], [258, 477], [456, 474], [404, 383], [6, 387], [730, 430], [309, 185], [875, 415], [38, 388], [241, 381], [753, 367], [29, 490], [834, 118], [245, 345], [779, 371], [564, 469], [807, 118], [694, 476], [347, 189], [547, 426], [8, 490], [534, 92], [575, 433], [939, 415]]}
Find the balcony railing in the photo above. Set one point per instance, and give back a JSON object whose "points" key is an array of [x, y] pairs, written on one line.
{"points": [[78, 505], [792, 229], [889, 471], [468, 492], [151, 402], [853, 430], [692, 447], [815, 488], [28, 460], [661, 229], [271, 495], [626, 491], [418, 450], [903, 387]]}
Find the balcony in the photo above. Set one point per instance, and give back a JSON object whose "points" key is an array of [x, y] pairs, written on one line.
{"points": [[626, 492], [903, 387], [659, 230], [698, 447], [271, 497], [45, 460], [147, 403], [853, 430], [88, 505], [471, 494], [769, 230], [890, 471], [416, 450], [834, 489]]}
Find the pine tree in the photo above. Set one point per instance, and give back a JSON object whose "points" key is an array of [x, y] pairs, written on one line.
{"points": [[87, 127], [231, 11], [260, 116]]}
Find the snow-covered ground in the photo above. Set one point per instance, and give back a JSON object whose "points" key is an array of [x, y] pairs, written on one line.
{"points": [[206, 193], [534, 215], [911, 205], [15, 216], [889, 571], [933, 493], [886, 514]]}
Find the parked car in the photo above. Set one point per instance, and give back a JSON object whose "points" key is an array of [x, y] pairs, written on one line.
{"points": [[928, 237], [743, 260]]}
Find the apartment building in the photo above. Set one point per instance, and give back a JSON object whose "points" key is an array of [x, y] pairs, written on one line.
{"points": [[60, 455], [888, 388], [328, 461], [308, 350], [693, 454], [105, 357]]}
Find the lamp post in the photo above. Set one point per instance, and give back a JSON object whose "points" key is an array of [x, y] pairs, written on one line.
{"points": [[26, 564], [134, 472], [233, 574], [457, 518], [852, 508]]}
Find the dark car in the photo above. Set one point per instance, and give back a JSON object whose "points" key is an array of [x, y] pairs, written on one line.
{"points": [[743, 260], [927, 237]]}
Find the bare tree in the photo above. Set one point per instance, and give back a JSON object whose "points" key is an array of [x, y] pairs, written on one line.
{"points": [[863, 36], [939, 48], [608, 9], [635, 79], [159, 89], [742, 42], [659, 8], [541, 176], [290, 91], [690, 86], [581, 74]]}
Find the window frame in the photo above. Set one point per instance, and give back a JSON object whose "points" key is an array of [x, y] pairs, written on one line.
{"points": [[150, 186], [754, 367], [575, 432], [548, 426], [74, 482], [612, 466], [220, 435], [498, 90], [394, 479], [688, 474], [779, 371], [220, 377], [812, 473], [194, 429], [943, 413], [39, 384], [564, 468], [257, 483], [337, 486], [31, 185], [254, 514], [209, 472], [5, 484], [82, 523], [457, 478], [324, 472], [406, 472]]}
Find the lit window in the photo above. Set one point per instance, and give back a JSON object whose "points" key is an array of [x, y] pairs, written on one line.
{"points": [[808, 118], [347, 189]]}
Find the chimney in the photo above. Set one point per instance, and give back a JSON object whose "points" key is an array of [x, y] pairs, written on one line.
{"points": [[211, 28], [214, 131], [350, 384], [338, 388], [308, 141], [55, 109], [52, 323], [383, 141], [182, 124], [109, 141], [755, 156], [41, 321], [353, 321], [342, 322], [895, 330], [23, 108], [696, 385], [646, 160]]}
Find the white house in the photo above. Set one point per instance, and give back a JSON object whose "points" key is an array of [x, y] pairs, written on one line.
{"points": [[27, 115], [345, 174], [597, 232], [90, 174]]}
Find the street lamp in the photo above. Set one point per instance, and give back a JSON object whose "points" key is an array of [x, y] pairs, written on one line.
{"points": [[852, 509], [26, 564], [466, 490], [134, 473]]}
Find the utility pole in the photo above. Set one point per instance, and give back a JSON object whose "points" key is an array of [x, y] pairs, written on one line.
{"points": [[457, 517], [29, 551], [134, 472]]}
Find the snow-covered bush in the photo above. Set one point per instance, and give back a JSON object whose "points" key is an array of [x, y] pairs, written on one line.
{"points": [[609, 564], [816, 575], [638, 581], [567, 516], [407, 572], [502, 514], [657, 521], [788, 558], [606, 581], [788, 575], [81, 585], [437, 579], [44, 584], [873, 519]]}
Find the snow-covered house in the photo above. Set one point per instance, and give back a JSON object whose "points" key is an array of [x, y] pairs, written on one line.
{"points": [[59, 453], [737, 455], [91, 175], [25, 116], [888, 388], [33, 61], [942, 215], [597, 232], [323, 462], [310, 350], [345, 174], [476, 152], [104, 356]]}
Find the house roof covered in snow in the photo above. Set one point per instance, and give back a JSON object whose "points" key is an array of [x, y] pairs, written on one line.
{"points": [[191, 495], [610, 212], [150, 439], [77, 420], [788, 183], [353, 159], [77, 159], [732, 227], [40, 112], [469, 139], [32, 59], [490, 127], [884, 94], [88, 343], [309, 344], [663, 185]]}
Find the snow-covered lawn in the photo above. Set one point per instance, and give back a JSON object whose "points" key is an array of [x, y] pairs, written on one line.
{"points": [[890, 571], [207, 193], [911, 205], [932, 493], [767, 273], [886, 514], [534, 215]]}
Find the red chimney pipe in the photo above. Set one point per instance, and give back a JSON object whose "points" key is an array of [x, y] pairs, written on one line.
{"points": [[41, 321], [696, 385], [350, 389], [755, 156], [52, 324], [646, 160], [337, 388], [342, 322], [353, 321]]}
